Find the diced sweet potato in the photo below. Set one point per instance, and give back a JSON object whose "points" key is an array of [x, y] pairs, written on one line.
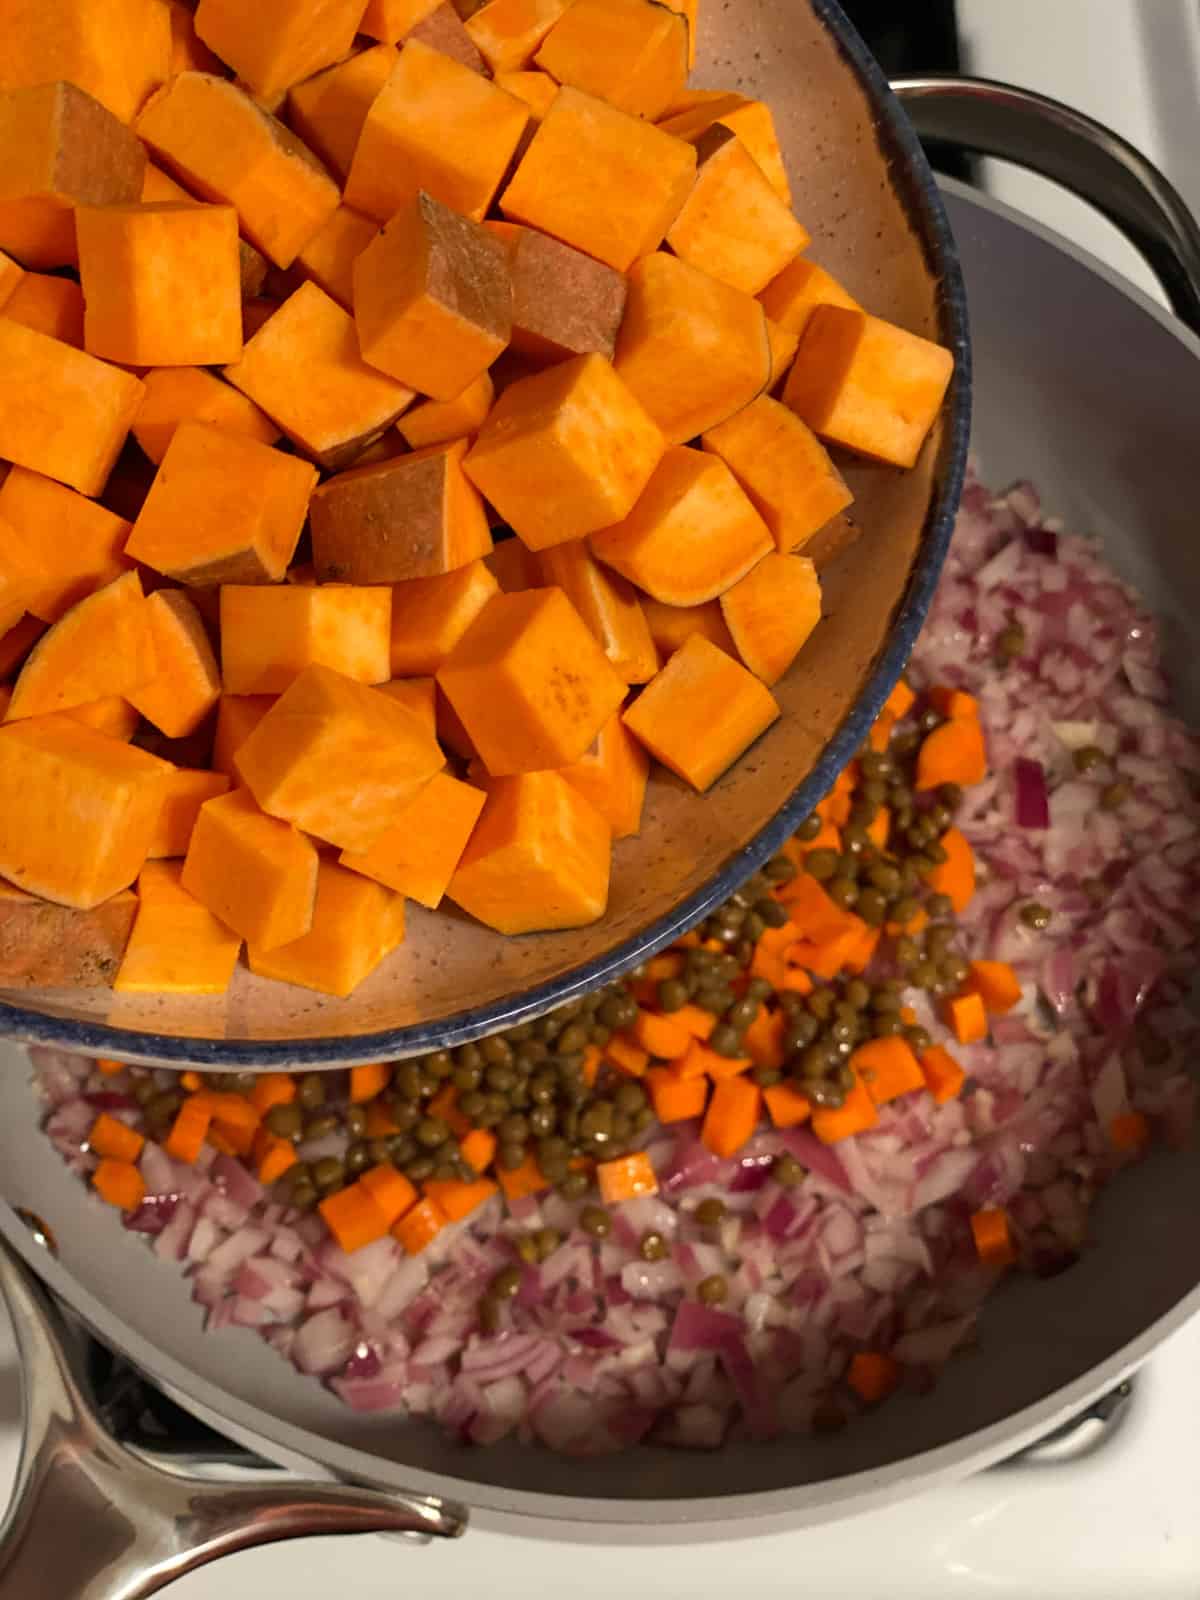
{"points": [[392, 20], [10, 277], [328, 110], [838, 534], [186, 683], [76, 544], [608, 605], [793, 295], [434, 126], [187, 394], [631, 53], [772, 611], [158, 185], [612, 775], [132, 261], [53, 306], [112, 716], [430, 616], [185, 790], [21, 576], [867, 385], [531, 685], [783, 467], [563, 302], [84, 408], [693, 532], [514, 567], [47, 946], [539, 857], [432, 299], [275, 43], [783, 350], [701, 712], [328, 258], [355, 925], [303, 368], [189, 53], [701, 109], [419, 695], [733, 225], [177, 946], [415, 516], [599, 179], [39, 232], [61, 781], [16, 644], [259, 875], [116, 52], [442, 30], [101, 646], [424, 844], [565, 452], [237, 717], [442, 421], [507, 33], [223, 509], [228, 149], [535, 87], [694, 350], [270, 635]]}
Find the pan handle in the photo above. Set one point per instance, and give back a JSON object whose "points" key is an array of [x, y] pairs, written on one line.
{"points": [[91, 1520], [1060, 143]]}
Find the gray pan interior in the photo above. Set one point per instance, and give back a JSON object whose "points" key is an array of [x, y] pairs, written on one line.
{"points": [[1094, 393]]}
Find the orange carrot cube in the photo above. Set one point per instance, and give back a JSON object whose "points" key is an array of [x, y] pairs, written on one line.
{"points": [[732, 1116]]}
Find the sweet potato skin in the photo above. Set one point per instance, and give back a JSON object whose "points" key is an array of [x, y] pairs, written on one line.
{"points": [[47, 946]]}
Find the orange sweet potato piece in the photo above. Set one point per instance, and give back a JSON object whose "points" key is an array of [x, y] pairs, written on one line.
{"points": [[11, 275], [53, 306], [419, 695], [186, 683], [112, 716], [237, 717], [783, 349], [867, 385], [698, 110], [771, 612], [631, 53], [423, 845], [793, 294], [227, 149], [597, 178], [337, 759], [269, 635], [436, 127], [531, 685], [117, 52], [538, 859], [838, 534], [184, 791], [38, 231], [16, 644], [443, 421], [275, 43], [177, 945], [187, 394], [701, 712], [692, 533], [442, 30], [257, 874], [355, 925], [21, 576], [507, 33], [329, 256], [565, 452], [612, 774], [563, 302], [188, 52], [430, 616], [43, 945], [693, 350], [100, 400], [101, 646], [537, 89], [62, 781], [671, 625], [328, 110], [607, 604], [513, 566], [392, 20], [223, 509]]}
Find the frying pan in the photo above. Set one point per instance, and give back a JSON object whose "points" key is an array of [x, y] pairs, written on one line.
{"points": [[1090, 389]]}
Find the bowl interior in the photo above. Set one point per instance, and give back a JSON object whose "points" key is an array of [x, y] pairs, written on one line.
{"points": [[861, 187]]}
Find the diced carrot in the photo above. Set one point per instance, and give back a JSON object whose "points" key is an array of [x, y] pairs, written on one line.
{"points": [[731, 1116], [191, 1081], [380, 1123], [592, 1057], [797, 980], [110, 1069], [353, 1217], [271, 1089], [676, 1099], [858, 957], [108, 1137], [888, 1067], [769, 960], [701, 1062], [523, 1180], [698, 1022], [667, 965], [953, 703], [952, 753], [996, 984], [964, 1013], [900, 702], [626, 1056], [420, 1226], [880, 735], [237, 1138], [908, 1016], [391, 1191], [815, 916], [368, 1081], [993, 1240], [445, 1105], [220, 1143], [763, 1039], [955, 876], [661, 1036], [234, 1110], [828, 957], [275, 1156], [458, 1199], [879, 827], [872, 1375], [855, 1115], [626, 1178], [787, 1106], [120, 1183], [186, 1138], [944, 1078], [478, 1149], [1129, 1131]]}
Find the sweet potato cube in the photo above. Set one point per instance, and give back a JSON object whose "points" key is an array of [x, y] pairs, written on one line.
{"points": [[237, 717], [112, 715], [434, 126], [16, 644], [783, 350], [187, 394], [60, 782], [21, 576], [177, 946], [507, 33], [599, 179], [270, 635], [608, 605], [701, 712], [612, 775], [275, 43], [53, 306], [158, 185], [442, 421], [76, 545], [432, 299], [631, 53], [783, 467], [223, 509], [563, 302], [355, 925], [694, 350], [838, 534], [531, 685], [733, 225], [419, 695], [101, 646], [43, 945], [430, 616], [186, 683], [414, 516], [162, 283], [442, 30], [337, 759], [10, 278], [772, 611], [793, 295], [565, 452], [303, 368], [867, 385], [328, 110], [539, 857], [392, 20], [259, 875], [227, 149], [329, 256], [751, 120], [514, 567], [39, 232], [425, 841], [188, 52], [538, 90], [185, 790], [101, 402], [117, 52]]}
